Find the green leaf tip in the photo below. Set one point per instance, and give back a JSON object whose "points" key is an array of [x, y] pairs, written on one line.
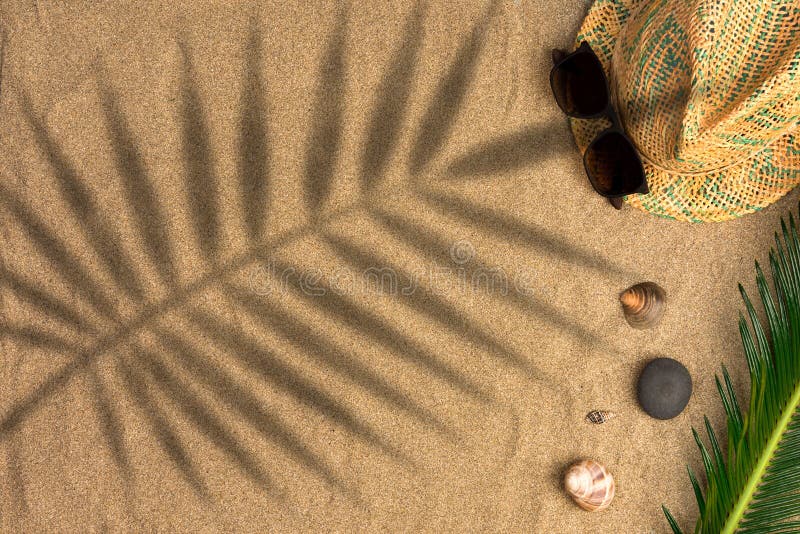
{"points": [[753, 488]]}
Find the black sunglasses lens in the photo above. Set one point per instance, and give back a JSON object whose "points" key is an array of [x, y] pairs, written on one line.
{"points": [[613, 166], [579, 85]]}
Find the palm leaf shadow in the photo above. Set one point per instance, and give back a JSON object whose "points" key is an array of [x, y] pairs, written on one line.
{"points": [[245, 403], [170, 442], [391, 104], [146, 211], [436, 249], [509, 152], [201, 179], [448, 98], [110, 425], [322, 147], [150, 375], [376, 328], [427, 302], [328, 354], [203, 419], [525, 233], [265, 363], [58, 253], [79, 198], [254, 153], [44, 302], [34, 337], [137, 186]]}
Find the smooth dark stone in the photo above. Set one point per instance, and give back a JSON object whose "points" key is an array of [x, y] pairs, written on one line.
{"points": [[664, 388]]}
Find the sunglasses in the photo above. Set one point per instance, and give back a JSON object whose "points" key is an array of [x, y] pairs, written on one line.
{"points": [[582, 91]]}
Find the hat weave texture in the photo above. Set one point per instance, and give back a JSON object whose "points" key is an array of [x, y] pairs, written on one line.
{"points": [[709, 93]]}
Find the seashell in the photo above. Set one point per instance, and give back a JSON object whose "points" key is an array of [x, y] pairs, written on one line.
{"points": [[643, 304], [599, 417], [590, 485]]}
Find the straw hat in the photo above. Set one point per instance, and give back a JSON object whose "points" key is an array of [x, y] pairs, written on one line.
{"points": [[709, 92]]}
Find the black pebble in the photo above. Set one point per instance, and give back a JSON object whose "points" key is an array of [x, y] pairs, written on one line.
{"points": [[664, 388]]}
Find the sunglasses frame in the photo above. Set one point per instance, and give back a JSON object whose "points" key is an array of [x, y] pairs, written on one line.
{"points": [[609, 113]]}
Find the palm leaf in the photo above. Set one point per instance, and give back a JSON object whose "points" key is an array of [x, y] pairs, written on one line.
{"points": [[757, 488]]}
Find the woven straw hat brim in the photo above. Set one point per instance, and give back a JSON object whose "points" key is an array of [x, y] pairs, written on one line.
{"points": [[727, 193]]}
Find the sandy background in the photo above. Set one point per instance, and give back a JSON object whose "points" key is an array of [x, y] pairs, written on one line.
{"points": [[190, 195]]}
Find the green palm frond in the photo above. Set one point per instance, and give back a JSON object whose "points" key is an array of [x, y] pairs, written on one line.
{"points": [[757, 487]]}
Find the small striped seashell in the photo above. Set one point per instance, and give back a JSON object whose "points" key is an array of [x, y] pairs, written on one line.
{"points": [[599, 417], [590, 485], [643, 304]]}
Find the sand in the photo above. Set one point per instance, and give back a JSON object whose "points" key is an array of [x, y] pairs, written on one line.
{"points": [[193, 195]]}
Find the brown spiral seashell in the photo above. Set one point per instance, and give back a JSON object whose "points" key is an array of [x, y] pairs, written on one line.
{"points": [[643, 304], [599, 417], [590, 485]]}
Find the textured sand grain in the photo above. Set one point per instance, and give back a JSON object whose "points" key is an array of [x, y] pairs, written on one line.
{"points": [[156, 377]]}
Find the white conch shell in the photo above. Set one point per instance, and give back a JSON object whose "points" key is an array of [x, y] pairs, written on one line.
{"points": [[590, 485]]}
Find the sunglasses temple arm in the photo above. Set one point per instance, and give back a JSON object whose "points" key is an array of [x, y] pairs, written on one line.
{"points": [[612, 115]]}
